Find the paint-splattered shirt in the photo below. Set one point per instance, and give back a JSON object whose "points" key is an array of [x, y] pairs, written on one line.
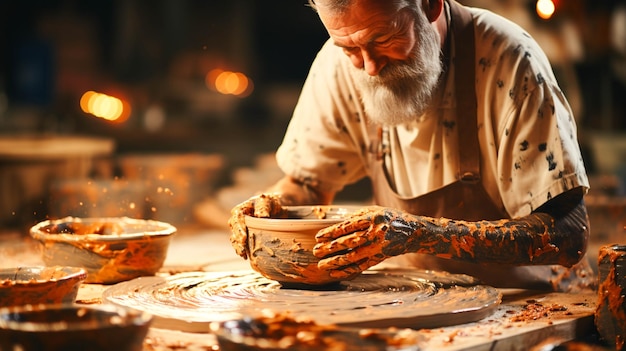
{"points": [[527, 134]]}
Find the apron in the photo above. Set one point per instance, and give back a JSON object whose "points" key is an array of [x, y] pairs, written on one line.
{"points": [[465, 198]]}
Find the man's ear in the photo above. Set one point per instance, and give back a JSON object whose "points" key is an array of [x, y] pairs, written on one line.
{"points": [[433, 9]]}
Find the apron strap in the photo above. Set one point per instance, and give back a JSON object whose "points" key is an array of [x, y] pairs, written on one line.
{"points": [[465, 84]]}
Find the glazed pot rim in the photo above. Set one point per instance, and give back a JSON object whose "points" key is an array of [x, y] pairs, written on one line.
{"points": [[70, 273], [163, 229]]}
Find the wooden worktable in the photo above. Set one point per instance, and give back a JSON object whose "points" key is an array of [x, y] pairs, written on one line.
{"points": [[524, 319]]}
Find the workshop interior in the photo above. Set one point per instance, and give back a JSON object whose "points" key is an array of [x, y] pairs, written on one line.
{"points": [[162, 116]]}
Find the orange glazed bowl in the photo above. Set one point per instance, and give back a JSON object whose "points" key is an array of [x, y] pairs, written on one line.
{"points": [[111, 249], [39, 285]]}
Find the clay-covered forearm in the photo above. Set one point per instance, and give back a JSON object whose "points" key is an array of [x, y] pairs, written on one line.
{"points": [[535, 239]]}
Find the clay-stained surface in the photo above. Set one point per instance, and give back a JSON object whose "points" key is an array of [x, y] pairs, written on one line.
{"points": [[191, 301], [524, 320], [610, 316], [281, 332], [505, 329]]}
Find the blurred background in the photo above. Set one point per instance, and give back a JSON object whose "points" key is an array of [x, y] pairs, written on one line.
{"points": [[172, 109]]}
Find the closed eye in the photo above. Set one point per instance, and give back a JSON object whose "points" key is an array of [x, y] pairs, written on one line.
{"points": [[384, 43]]}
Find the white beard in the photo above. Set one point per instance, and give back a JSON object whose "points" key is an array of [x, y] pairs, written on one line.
{"points": [[402, 92]]}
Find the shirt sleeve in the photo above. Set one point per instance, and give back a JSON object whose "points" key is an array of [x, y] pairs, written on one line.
{"points": [[325, 141], [540, 153], [531, 150]]}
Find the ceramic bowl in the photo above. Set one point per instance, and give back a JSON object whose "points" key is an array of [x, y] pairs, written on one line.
{"points": [[111, 249], [279, 333], [281, 249], [39, 285], [72, 327]]}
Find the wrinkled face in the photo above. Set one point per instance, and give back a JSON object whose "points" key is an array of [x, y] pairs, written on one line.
{"points": [[395, 52]]}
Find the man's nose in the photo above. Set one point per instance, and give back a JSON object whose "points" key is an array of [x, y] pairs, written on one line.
{"points": [[372, 63]]}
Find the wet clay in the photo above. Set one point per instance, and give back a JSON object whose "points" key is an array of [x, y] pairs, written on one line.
{"points": [[282, 332], [281, 249], [528, 240], [496, 251], [610, 317], [385, 298], [262, 206], [288, 260]]}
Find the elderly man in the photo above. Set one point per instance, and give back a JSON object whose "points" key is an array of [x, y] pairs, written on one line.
{"points": [[455, 115]]}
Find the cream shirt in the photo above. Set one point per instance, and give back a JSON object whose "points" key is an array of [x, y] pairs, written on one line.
{"points": [[527, 134]]}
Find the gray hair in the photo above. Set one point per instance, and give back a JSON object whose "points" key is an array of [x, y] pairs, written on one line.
{"points": [[339, 6], [333, 5]]}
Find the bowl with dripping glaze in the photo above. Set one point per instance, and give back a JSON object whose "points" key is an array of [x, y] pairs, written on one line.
{"points": [[34, 285], [111, 249]]}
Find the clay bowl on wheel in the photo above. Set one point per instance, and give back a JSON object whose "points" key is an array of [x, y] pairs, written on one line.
{"points": [[39, 285], [72, 327], [110, 249], [281, 249]]}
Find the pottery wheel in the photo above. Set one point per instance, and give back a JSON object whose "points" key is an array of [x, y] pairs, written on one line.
{"points": [[376, 299]]}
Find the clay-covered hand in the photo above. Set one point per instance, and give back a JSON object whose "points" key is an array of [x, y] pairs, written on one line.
{"points": [[263, 206], [365, 239]]}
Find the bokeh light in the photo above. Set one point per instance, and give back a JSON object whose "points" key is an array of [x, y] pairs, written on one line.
{"points": [[229, 83], [545, 9], [105, 106]]}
